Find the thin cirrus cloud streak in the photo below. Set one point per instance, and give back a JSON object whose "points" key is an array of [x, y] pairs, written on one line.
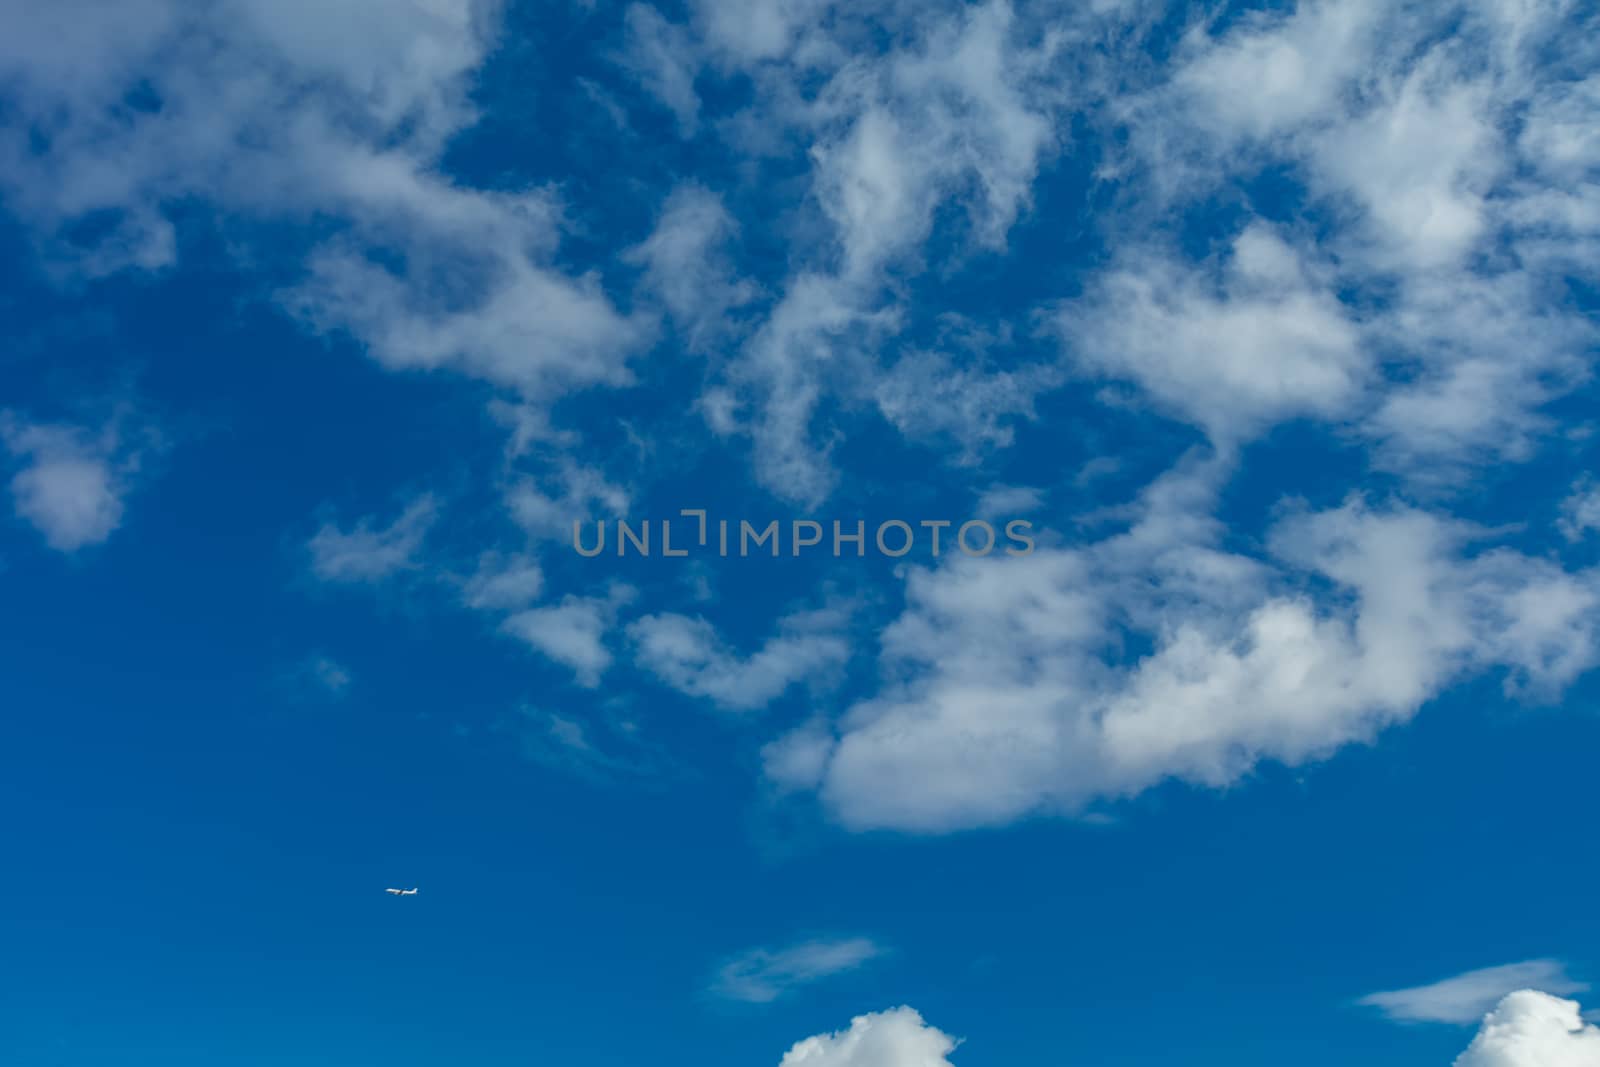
{"points": [[1465, 998], [761, 976]]}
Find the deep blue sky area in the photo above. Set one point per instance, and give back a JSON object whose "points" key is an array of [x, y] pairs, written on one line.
{"points": [[326, 322]]}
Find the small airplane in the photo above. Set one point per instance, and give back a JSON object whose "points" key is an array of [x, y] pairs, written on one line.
{"points": [[402, 892]]}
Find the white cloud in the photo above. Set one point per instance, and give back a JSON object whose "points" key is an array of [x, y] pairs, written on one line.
{"points": [[283, 111], [1465, 998], [1267, 76], [368, 553], [1533, 1029], [928, 395], [1232, 347], [572, 632], [71, 482], [546, 505], [686, 264], [503, 583], [817, 332], [1375, 112], [1580, 512], [661, 56], [1009, 694], [1448, 157], [798, 759], [1484, 355], [760, 975], [1006, 502], [687, 654], [895, 1038], [746, 31], [957, 114], [530, 329], [1421, 167]]}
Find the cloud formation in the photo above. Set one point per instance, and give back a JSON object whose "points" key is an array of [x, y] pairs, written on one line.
{"points": [[895, 1038], [1465, 998], [761, 975], [1011, 696], [370, 553], [125, 109], [1532, 1029], [573, 632], [687, 654], [70, 481]]}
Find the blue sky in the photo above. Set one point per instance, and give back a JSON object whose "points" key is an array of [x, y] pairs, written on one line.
{"points": [[327, 322]]}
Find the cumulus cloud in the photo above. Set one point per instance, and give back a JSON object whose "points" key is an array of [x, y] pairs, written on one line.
{"points": [[895, 1038], [1447, 151], [1010, 694], [1465, 998], [760, 975], [1413, 294], [572, 632], [1233, 346], [284, 112], [686, 653], [1533, 1029], [368, 552], [70, 482]]}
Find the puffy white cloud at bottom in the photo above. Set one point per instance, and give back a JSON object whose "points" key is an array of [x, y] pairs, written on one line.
{"points": [[894, 1038], [1531, 1029], [1526, 1029]]}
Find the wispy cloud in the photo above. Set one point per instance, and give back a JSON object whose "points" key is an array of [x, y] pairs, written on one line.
{"points": [[688, 654], [317, 677], [761, 975], [369, 553], [1466, 998], [331, 675], [605, 747]]}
